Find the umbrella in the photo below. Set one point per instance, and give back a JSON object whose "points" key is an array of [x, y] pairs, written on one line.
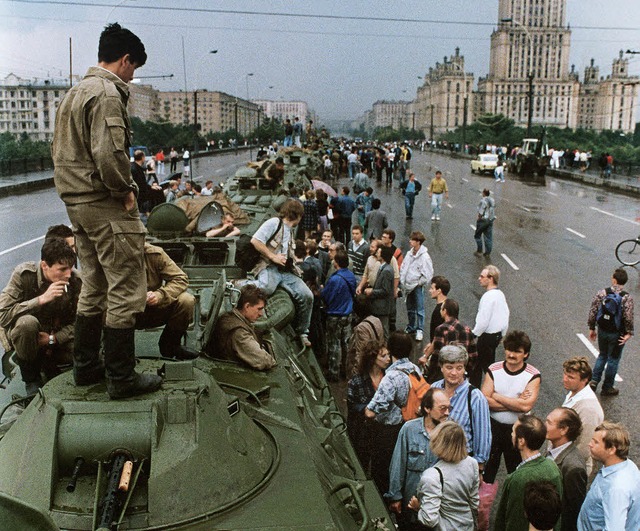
{"points": [[321, 185]]}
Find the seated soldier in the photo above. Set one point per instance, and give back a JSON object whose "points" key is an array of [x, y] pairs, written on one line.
{"points": [[226, 229], [38, 311], [235, 336], [274, 174], [64, 232], [168, 303]]}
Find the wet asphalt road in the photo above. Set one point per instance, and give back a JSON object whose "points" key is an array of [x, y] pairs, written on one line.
{"points": [[560, 235]]}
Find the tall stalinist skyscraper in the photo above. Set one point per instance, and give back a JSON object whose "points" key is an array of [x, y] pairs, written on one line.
{"points": [[531, 43]]}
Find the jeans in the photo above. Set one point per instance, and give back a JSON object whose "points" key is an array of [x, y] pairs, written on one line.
{"points": [[338, 334], [436, 204], [288, 141], [484, 227], [409, 201], [270, 278], [610, 354], [415, 309], [352, 170]]}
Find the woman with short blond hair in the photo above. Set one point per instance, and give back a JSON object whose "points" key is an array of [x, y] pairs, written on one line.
{"points": [[447, 497]]}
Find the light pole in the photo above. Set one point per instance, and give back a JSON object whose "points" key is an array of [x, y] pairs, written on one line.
{"points": [[529, 69]]}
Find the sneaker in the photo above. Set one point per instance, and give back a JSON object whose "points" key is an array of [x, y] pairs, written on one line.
{"points": [[487, 255], [437, 218], [433, 218], [610, 391], [593, 385], [478, 253], [419, 335], [408, 330]]}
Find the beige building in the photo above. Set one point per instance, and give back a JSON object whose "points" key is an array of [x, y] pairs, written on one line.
{"points": [[440, 101], [216, 111], [608, 103], [29, 106], [531, 47], [144, 102], [282, 110], [387, 113]]}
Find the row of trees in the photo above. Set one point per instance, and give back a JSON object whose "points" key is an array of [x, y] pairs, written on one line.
{"points": [[500, 130]]}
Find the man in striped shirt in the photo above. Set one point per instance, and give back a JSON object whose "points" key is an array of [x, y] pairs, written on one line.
{"points": [[469, 407], [358, 250]]}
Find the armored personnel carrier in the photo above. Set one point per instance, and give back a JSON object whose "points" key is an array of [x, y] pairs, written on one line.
{"points": [[219, 446]]}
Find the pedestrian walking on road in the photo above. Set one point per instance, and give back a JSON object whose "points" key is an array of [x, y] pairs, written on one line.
{"points": [[410, 189], [612, 311], [484, 223], [173, 158], [437, 189]]}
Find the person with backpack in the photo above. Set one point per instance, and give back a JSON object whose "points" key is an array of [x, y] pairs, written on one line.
{"points": [[469, 407], [395, 392], [612, 312]]}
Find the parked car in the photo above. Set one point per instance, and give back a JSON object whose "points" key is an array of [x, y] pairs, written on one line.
{"points": [[485, 162]]}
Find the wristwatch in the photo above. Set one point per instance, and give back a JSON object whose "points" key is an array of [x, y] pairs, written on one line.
{"points": [[52, 339]]}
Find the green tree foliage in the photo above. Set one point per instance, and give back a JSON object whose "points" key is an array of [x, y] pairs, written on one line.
{"points": [[23, 147], [389, 134]]}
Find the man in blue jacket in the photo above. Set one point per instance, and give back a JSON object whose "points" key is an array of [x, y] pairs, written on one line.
{"points": [[338, 296]]}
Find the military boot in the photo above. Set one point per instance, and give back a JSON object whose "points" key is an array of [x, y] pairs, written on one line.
{"points": [[30, 376], [88, 369], [120, 361], [171, 347]]}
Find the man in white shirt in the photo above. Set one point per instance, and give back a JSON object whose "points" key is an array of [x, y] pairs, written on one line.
{"points": [[582, 399], [492, 322]]}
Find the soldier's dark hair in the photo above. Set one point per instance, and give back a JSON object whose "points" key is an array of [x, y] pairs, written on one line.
{"points": [[542, 504], [375, 204], [57, 251], [301, 249], [116, 42], [59, 231], [442, 284], [251, 295]]}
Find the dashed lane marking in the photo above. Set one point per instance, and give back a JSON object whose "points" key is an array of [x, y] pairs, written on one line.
{"points": [[6, 251], [593, 350], [510, 262], [614, 216], [524, 208], [465, 180], [473, 227], [551, 193], [575, 232], [449, 205]]}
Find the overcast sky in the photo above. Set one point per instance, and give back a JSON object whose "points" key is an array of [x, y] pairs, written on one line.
{"points": [[340, 67]]}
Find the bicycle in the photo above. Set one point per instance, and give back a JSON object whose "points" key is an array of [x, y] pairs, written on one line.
{"points": [[628, 252]]}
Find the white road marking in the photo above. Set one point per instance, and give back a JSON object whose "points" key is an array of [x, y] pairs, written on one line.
{"points": [[449, 205], [614, 216], [473, 227], [552, 193], [21, 245], [465, 180], [524, 208], [510, 262], [575, 232], [593, 350]]}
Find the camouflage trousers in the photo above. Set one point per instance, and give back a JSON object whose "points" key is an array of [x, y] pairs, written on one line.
{"points": [[338, 334]]}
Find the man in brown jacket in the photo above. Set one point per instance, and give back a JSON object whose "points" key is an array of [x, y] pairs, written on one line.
{"points": [[168, 303], [236, 338], [92, 176]]}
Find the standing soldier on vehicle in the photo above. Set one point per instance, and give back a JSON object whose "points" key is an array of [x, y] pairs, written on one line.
{"points": [[92, 176]]}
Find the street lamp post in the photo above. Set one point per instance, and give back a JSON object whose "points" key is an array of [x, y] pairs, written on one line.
{"points": [[529, 70]]}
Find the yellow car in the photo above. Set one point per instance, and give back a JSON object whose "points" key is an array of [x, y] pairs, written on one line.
{"points": [[485, 162]]}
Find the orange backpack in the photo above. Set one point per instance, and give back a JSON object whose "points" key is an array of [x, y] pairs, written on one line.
{"points": [[418, 387]]}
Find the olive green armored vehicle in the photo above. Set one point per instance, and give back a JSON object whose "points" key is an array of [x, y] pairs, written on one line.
{"points": [[219, 447]]}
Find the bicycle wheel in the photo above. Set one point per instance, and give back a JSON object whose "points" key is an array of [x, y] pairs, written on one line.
{"points": [[628, 252]]}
